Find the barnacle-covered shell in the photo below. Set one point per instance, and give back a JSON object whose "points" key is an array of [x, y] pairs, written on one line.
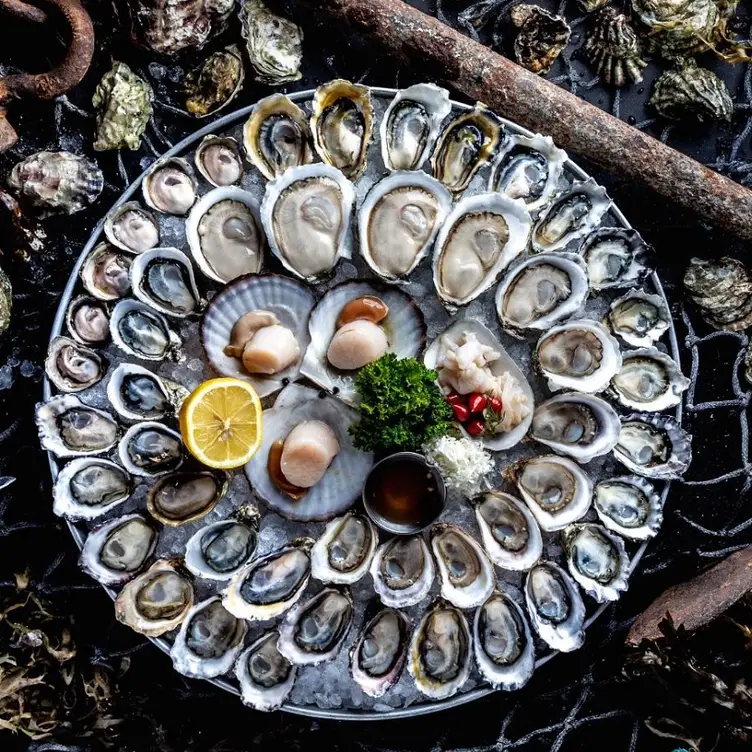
{"points": [[343, 553], [163, 279], [150, 449], [265, 676], [106, 273], [170, 186], [89, 487], [123, 105], [403, 571], [138, 330], [639, 318], [73, 367], [57, 182], [219, 161], [648, 380], [613, 49], [616, 257], [629, 505], [88, 321], [541, 37], [722, 290], [183, 497], [215, 83], [139, 394], [132, 228]]}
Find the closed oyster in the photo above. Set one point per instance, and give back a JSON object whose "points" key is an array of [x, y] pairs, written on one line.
{"points": [[69, 428], [378, 656], [630, 506], [555, 607], [411, 125], [306, 217], [170, 186], [219, 161], [276, 136], [72, 367], [116, 550], [140, 331], [639, 318], [527, 168], [6, 302], [573, 214], [156, 601], [541, 37], [343, 553], [88, 487], [138, 394], [314, 631], [274, 44], [402, 571], [616, 257], [399, 220], [481, 236], [179, 498], [467, 142], [439, 657], [271, 584], [590, 5], [57, 182], [654, 446], [541, 291], [106, 273], [557, 490], [597, 560], [613, 49], [132, 228], [209, 641], [265, 676], [579, 425], [580, 355], [503, 645], [466, 575], [163, 279], [649, 380], [691, 92], [123, 105], [510, 534], [215, 83], [722, 290], [88, 321], [150, 449]]}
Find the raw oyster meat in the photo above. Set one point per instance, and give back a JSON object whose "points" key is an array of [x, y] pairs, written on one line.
{"points": [[648, 380], [156, 601], [639, 318], [69, 428], [541, 37], [411, 125], [616, 257], [265, 676], [555, 607], [613, 49], [314, 631], [503, 644], [343, 553], [106, 273], [88, 321], [541, 291], [722, 290], [402, 571], [150, 449], [215, 83], [209, 641], [163, 279], [399, 220], [138, 394], [183, 497], [72, 367], [138, 330], [557, 490], [89, 487], [510, 534], [439, 659], [629, 505], [132, 228], [342, 126], [481, 236], [219, 161], [170, 186]]}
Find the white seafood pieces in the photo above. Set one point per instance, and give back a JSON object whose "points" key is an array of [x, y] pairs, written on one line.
{"points": [[307, 453], [262, 343]]}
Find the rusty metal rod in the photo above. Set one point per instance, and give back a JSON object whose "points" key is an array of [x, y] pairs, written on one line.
{"points": [[539, 105]]}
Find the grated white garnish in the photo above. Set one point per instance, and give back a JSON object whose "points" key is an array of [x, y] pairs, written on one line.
{"points": [[463, 463]]}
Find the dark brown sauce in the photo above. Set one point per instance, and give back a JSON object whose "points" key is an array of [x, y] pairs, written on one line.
{"points": [[274, 467]]}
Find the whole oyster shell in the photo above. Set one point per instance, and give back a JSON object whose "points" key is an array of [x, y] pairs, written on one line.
{"points": [[722, 290], [214, 84], [613, 49], [6, 302], [541, 37]]}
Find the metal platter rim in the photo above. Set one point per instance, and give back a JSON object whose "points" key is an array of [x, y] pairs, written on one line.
{"points": [[410, 711]]}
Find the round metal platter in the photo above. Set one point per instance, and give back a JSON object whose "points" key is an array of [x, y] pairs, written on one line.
{"points": [[230, 124]]}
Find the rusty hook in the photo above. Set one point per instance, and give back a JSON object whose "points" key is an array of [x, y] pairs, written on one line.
{"points": [[60, 79]]}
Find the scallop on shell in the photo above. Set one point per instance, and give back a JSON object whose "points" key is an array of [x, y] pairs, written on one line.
{"points": [[73, 367], [88, 321], [629, 505], [343, 553], [132, 228], [105, 273], [403, 571], [219, 161], [265, 676], [140, 331], [639, 318], [163, 279], [616, 257], [89, 487], [170, 186], [137, 393]]}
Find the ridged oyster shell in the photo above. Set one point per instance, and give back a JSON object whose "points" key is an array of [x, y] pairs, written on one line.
{"points": [[170, 186], [343, 553], [140, 331], [73, 367], [88, 321], [163, 279], [106, 273], [219, 161], [132, 228], [648, 380], [403, 571], [89, 487], [629, 505], [150, 449], [614, 50], [137, 393], [616, 257], [213, 84], [265, 676], [541, 37], [639, 318]]}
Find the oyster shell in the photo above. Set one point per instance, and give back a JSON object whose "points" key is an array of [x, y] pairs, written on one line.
{"points": [[342, 126], [648, 380], [138, 394], [616, 257], [156, 601], [555, 607], [69, 428], [510, 534], [572, 214], [541, 291], [72, 367], [265, 676], [140, 331], [613, 49], [306, 216], [88, 487], [466, 143], [6, 302], [183, 497], [481, 236], [597, 560], [503, 644], [343, 553], [639, 318], [722, 290], [209, 641], [439, 658], [579, 354], [402, 571], [163, 279], [314, 631], [116, 550], [411, 125], [215, 83], [541, 37], [132, 228], [399, 220], [123, 106], [170, 186], [219, 161], [378, 655], [579, 425], [629, 505], [273, 43], [276, 136], [654, 446], [88, 321], [150, 449], [106, 273], [557, 490], [466, 575], [57, 182]]}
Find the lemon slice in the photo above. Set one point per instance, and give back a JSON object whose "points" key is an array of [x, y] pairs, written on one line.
{"points": [[221, 423]]}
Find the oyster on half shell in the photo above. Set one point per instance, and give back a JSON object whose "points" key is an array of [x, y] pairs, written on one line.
{"points": [[73, 367], [105, 273], [639, 318], [182, 497], [88, 321], [89, 487], [170, 186], [616, 257], [132, 228], [219, 161], [343, 553], [150, 449], [163, 279], [629, 505], [402, 571], [139, 394], [265, 676], [138, 330]]}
